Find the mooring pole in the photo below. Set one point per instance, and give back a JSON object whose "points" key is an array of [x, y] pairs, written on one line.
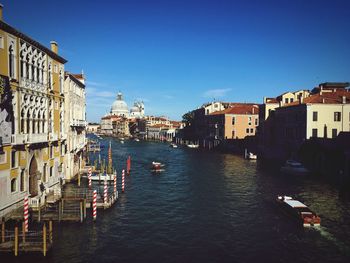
{"points": [[44, 239], [50, 231], [3, 231], [24, 232], [16, 241]]}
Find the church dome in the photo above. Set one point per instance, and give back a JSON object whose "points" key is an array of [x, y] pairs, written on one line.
{"points": [[119, 106]]}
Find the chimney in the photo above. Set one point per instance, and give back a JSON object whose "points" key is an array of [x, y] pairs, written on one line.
{"points": [[54, 47], [253, 110], [1, 8], [344, 99], [300, 99], [323, 100]]}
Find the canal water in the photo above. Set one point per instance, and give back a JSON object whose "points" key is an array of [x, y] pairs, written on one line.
{"points": [[205, 207]]}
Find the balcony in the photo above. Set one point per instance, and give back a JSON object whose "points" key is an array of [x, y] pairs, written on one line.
{"points": [[37, 138], [78, 123], [53, 137], [17, 139]]}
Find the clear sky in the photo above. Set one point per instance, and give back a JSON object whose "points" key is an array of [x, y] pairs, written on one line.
{"points": [[176, 55]]}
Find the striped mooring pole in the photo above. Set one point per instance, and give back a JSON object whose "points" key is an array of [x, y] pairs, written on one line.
{"points": [[26, 214], [94, 205], [105, 196], [115, 183], [128, 165], [123, 180], [89, 176]]}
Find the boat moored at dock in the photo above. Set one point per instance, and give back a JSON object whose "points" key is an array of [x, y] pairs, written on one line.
{"points": [[298, 211]]}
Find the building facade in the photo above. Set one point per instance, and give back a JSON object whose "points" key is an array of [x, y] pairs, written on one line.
{"points": [[31, 119], [75, 123]]}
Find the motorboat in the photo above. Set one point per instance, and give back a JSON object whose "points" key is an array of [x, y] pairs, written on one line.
{"points": [[249, 155], [101, 177], [157, 167], [136, 139], [192, 145], [298, 211], [173, 145], [294, 168]]}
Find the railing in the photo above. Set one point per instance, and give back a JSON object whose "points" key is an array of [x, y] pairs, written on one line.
{"points": [[76, 122], [36, 202], [19, 138], [37, 138]]}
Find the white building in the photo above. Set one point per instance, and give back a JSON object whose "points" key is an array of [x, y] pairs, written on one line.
{"points": [[75, 123]]}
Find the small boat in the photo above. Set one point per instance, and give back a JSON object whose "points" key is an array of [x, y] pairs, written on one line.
{"points": [[173, 145], [102, 177], [192, 145], [249, 155], [294, 168], [298, 211], [136, 139], [157, 167]]}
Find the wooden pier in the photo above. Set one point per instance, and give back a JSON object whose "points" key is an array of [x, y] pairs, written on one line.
{"points": [[17, 240]]}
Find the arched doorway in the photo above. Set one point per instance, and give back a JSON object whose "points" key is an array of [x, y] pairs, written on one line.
{"points": [[33, 178]]}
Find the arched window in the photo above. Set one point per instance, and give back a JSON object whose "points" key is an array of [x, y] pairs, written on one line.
{"points": [[27, 67], [38, 122], [11, 62], [22, 64], [22, 121], [43, 123], [13, 185], [21, 186], [33, 69], [28, 122], [33, 122]]}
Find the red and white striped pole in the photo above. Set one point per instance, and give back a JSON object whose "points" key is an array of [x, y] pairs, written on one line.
{"points": [[105, 196], [89, 176], [94, 205], [115, 183], [123, 180], [128, 165], [26, 215]]}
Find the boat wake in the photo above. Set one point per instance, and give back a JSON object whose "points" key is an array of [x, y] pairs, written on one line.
{"points": [[327, 235]]}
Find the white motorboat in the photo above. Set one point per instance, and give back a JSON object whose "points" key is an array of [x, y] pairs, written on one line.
{"points": [[294, 168], [192, 145], [102, 177], [173, 145]]}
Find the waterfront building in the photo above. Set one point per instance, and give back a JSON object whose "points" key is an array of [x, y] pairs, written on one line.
{"points": [[235, 122], [75, 123], [323, 114], [93, 128], [32, 136]]}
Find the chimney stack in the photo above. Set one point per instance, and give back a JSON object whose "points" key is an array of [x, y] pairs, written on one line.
{"points": [[344, 99], [54, 47], [1, 8]]}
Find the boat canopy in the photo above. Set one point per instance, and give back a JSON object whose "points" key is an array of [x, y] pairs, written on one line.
{"points": [[294, 203]]}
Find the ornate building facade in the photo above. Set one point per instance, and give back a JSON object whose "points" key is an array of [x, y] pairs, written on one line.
{"points": [[75, 123], [32, 135]]}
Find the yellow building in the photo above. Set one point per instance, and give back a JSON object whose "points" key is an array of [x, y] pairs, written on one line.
{"points": [[32, 139]]}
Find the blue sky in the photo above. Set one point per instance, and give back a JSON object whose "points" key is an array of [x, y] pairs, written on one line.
{"points": [[176, 55]]}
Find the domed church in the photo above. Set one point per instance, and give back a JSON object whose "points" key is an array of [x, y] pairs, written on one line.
{"points": [[119, 107]]}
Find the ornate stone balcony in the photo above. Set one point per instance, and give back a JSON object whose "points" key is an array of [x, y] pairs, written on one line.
{"points": [[18, 139], [37, 137], [78, 123]]}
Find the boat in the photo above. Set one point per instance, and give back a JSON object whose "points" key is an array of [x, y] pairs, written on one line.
{"points": [[102, 177], [294, 168], [249, 155], [173, 145], [298, 211], [192, 145], [136, 139], [157, 167]]}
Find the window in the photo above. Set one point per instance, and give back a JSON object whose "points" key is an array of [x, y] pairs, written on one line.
{"points": [[13, 185], [11, 62], [44, 172], [285, 100], [207, 111], [247, 130], [256, 121], [21, 186], [13, 159], [233, 120], [334, 133], [1, 41], [249, 120], [291, 100], [314, 132], [51, 151], [337, 116], [51, 171], [314, 116], [233, 134], [251, 130]]}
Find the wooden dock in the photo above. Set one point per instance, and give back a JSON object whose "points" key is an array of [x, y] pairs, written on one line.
{"points": [[17, 240]]}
